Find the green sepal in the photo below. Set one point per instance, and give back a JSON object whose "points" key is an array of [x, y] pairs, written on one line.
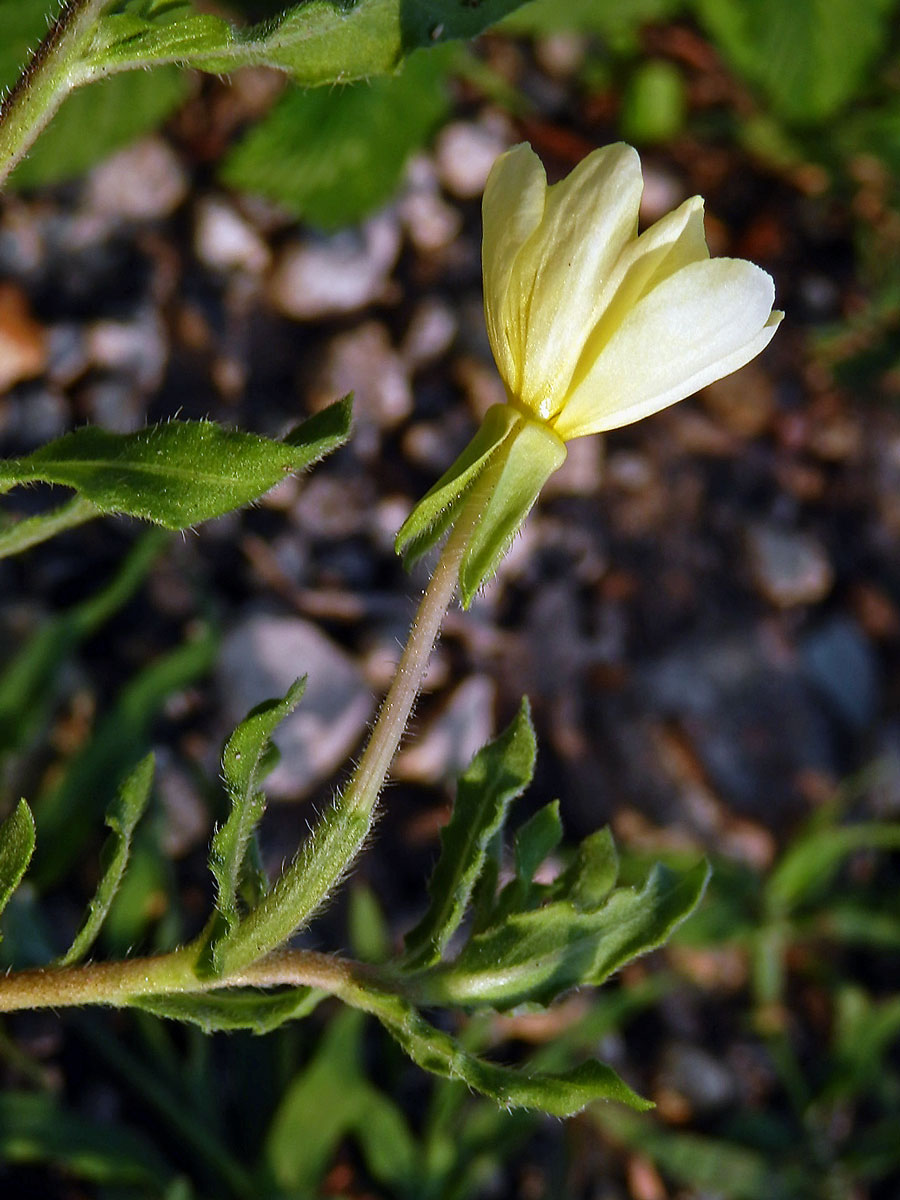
{"points": [[512, 483], [440, 506], [510, 459]]}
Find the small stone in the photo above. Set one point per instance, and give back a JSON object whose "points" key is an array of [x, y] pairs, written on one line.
{"points": [[430, 221], [68, 356], [143, 182], [260, 660], [581, 473], [23, 342], [114, 404], [662, 193], [430, 333], [788, 567], [451, 741], [338, 274], [44, 415], [465, 153], [364, 362], [225, 241], [185, 815], [330, 508], [138, 349], [697, 1076], [561, 55], [840, 663], [743, 402]]}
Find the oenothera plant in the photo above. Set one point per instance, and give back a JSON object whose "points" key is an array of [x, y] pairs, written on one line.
{"points": [[592, 327]]}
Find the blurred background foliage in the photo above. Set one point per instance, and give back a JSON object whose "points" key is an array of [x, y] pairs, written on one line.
{"points": [[806, 92]]}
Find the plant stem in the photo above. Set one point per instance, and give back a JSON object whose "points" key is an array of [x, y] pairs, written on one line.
{"points": [[368, 779], [119, 983], [45, 82], [248, 964], [31, 531]]}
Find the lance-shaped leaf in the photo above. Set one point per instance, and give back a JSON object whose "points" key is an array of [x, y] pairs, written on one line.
{"points": [[179, 473], [560, 1095], [498, 774], [536, 955], [16, 848], [247, 759], [122, 818], [234, 1008]]}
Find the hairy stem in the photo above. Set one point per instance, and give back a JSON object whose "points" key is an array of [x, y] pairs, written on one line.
{"points": [[45, 82], [369, 777], [244, 957], [119, 983]]}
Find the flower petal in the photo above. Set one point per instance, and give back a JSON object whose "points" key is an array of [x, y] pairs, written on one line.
{"points": [[697, 325], [554, 294], [512, 209]]}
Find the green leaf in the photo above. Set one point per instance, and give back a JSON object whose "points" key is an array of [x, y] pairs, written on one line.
{"points": [[179, 473], [707, 1165], [370, 935], [27, 683], [66, 811], [813, 860], [534, 840], [324, 1104], [560, 1095], [538, 837], [809, 57], [592, 874], [317, 42], [16, 849], [122, 819], [245, 763], [94, 122], [333, 156], [536, 955], [234, 1008], [498, 774], [34, 1129]]}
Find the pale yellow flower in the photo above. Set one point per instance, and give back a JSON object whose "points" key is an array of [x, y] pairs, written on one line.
{"points": [[592, 326]]}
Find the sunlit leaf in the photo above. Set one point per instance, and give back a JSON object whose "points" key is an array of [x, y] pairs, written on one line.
{"points": [[538, 954], [179, 473]]}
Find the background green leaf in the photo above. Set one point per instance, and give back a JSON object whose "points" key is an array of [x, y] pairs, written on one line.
{"points": [[95, 121], [332, 156], [808, 57], [123, 816]]}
